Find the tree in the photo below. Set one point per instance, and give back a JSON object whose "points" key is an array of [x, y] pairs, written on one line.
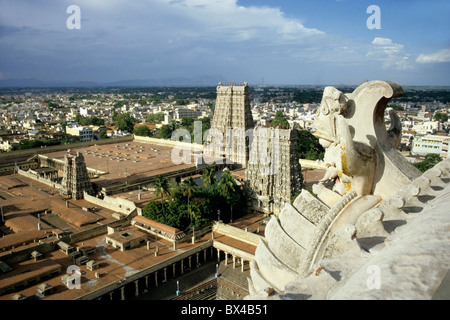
{"points": [[279, 121], [161, 187], [166, 131], [155, 117], [209, 176], [124, 121], [441, 117], [308, 146], [142, 131], [227, 186], [429, 162], [188, 190]]}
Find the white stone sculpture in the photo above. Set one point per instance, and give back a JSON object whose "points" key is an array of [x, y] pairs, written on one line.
{"points": [[375, 193]]}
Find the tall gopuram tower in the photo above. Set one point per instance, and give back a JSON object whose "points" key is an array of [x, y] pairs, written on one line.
{"points": [[232, 118], [75, 176], [273, 172]]}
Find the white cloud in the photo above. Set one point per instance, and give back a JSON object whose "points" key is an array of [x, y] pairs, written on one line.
{"points": [[227, 20], [390, 53], [382, 41], [436, 57]]}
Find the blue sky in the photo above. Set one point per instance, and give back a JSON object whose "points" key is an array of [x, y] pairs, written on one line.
{"points": [[283, 42]]}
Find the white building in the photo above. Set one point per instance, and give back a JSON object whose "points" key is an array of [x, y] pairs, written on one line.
{"points": [[84, 133], [423, 145], [86, 111], [427, 127]]}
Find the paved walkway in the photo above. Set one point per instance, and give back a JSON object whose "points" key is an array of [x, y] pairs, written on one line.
{"points": [[167, 291]]}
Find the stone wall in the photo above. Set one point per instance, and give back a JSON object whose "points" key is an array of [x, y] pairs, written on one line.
{"points": [[116, 204], [236, 233]]}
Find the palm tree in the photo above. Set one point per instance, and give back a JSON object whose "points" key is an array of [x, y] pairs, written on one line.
{"points": [[209, 176], [162, 188], [226, 187], [188, 190]]}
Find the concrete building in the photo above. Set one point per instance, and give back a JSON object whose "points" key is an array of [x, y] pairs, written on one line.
{"points": [[83, 133], [126, 239], [423, 145], [181, 113]]}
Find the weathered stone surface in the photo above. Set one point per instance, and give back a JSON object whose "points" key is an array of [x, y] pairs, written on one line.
{"points": [[296, 225], [271, 268], [282, 245], [309, 206]]}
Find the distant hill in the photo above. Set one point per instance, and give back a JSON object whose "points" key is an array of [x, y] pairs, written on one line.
{"points": [[36, 83]]}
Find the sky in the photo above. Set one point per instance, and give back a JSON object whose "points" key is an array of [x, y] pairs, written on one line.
{"points": [[279, 42]]}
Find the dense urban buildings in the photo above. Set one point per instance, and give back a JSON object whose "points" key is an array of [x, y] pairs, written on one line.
{"points": [[75, 199]]}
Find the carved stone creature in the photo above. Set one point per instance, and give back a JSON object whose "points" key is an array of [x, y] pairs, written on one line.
{"points": [[343, 222]]}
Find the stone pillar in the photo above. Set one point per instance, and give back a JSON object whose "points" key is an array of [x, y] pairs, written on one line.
{"points": [[226, 258], [156, 278], [146, 282], [190, 262], [182, 266], [122, 293], [204, 255], [242, 265], [111, 295], [234, 262], [173, 269], [218, 255], [197, 254], [165, 274]]}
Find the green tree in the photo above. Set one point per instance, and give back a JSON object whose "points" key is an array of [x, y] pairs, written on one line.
{"points": [[187, 122], [142, 131], [227, 186], [103, 134], [162, 189], [308, 146], [209, 177], [441, 117], [155, 117], [188, 190], [279, 121], [429, 162], [124, 121], [166, 130]]}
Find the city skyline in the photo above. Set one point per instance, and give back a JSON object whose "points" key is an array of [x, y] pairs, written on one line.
{"points": [[275, 42]]}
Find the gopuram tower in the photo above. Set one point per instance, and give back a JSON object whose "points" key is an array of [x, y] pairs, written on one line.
{"points": [[75, 176], [273, 172], [232, 118]]}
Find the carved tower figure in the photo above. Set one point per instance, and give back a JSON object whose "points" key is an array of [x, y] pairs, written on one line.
{"points": [[75, 176], [273, 172], [232, 118]]}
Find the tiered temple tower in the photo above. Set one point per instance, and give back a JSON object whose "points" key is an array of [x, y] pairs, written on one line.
{"points": [[232, 118], [274, 171], [75, 176]]}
